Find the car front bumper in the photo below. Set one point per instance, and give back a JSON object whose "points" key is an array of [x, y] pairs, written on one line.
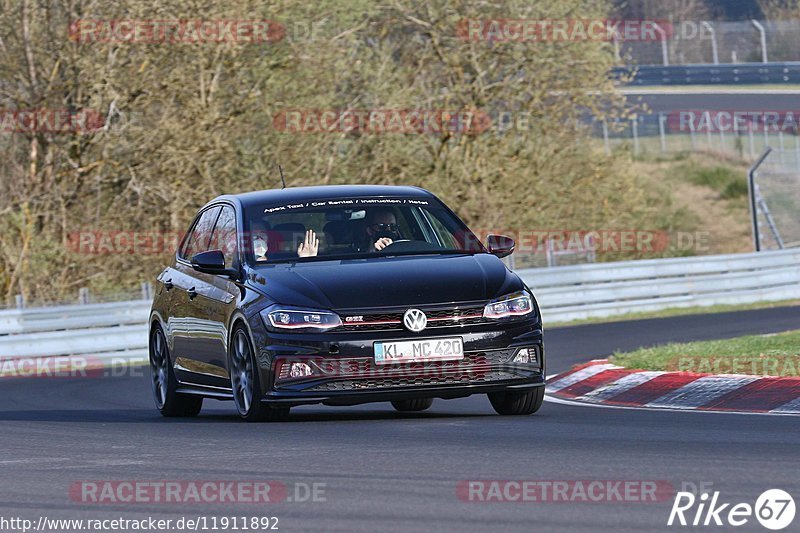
{"points": [[345, 372]]}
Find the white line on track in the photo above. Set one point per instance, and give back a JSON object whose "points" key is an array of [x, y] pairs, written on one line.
{"points": [[792, 407]]}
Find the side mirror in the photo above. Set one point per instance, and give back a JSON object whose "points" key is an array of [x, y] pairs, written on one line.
{"points": [[500, 245], [210, 262]]}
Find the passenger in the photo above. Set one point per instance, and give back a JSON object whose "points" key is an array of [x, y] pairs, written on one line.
{"points": [[310, 245], [307, 248]]}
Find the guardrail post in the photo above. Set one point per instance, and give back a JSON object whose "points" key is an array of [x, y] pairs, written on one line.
{"points": [[714, 51], [605, 138], [797, 150], [661, 132], [751, 190], [763, 34], [635, 131], [550, 253], [509, 261], [768, 217], [19, 300], [147, 290], [664, 47], [83, 295]]}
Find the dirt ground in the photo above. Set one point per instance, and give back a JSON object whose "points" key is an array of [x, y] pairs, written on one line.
{"points": [[722, 225]]}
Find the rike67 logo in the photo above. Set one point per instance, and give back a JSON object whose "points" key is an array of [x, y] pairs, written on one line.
{"points": [[774, 509]]}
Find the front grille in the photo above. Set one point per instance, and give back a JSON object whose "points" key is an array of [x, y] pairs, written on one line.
{"points": [[393, 382], [437, 317], [357, 373], [366, 366]]}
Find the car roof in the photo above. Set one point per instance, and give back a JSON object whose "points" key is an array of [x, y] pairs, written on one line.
{"points": [[323, 192]]}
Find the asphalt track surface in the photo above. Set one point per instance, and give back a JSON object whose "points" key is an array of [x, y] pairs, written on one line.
{"points": [[677, 101], [384, 471]]}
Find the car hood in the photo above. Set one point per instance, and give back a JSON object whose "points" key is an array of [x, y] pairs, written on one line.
{"points": [[386, 281]]}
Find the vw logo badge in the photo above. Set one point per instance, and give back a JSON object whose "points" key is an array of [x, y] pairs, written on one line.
{"points": [[415, 320]]}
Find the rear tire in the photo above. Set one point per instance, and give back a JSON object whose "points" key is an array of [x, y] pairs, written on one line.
{"points": [[410, 406], [517, 403], [169, 402], [246, 383]]}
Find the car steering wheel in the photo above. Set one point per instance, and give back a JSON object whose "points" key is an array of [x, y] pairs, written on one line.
{"points": [[398, 241]]}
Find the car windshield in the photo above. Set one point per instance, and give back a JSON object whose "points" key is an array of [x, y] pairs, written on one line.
{"points": [[353, 228]]}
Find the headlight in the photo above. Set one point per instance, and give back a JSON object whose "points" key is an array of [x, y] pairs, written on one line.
{"points": [[280, 318], [517, 304]]}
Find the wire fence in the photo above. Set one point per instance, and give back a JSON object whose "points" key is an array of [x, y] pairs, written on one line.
{"points": [[84, 296], [705, 131], [696, 41], [777, 200]]}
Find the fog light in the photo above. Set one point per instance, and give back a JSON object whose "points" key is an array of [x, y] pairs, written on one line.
{"points": [[525, 355], [299, 370]]}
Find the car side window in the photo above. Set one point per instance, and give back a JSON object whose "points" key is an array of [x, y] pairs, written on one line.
{"points": [[224, 236], [443, 235], [200, 235]]}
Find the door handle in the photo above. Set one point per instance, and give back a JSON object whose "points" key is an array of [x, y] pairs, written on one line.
{"points": [[168, 284], [192, 293]]}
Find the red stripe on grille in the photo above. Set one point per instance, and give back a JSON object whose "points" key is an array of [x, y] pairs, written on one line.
{"points": [[454, 317], [371, 323]]}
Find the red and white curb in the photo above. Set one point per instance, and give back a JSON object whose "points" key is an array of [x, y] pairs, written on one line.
{"points": [[599, 382]]}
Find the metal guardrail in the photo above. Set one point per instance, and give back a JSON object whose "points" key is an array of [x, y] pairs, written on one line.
{"points": [[119, 330], [68, 317], [709, 74], [606, 289]]}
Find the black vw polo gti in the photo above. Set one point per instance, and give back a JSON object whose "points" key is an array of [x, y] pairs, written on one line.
{"points": [[341, 295]]}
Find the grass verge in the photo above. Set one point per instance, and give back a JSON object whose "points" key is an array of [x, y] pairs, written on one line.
{"points": [[761, 355], [674, 311]]}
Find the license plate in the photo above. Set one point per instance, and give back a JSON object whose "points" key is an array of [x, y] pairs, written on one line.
{"points": [[449, 349]]}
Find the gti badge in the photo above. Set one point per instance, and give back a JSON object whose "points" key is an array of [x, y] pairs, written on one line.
{"points": [[415, 320]]}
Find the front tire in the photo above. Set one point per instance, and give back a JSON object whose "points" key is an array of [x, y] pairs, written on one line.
{"points": [[246, 383], [410, 406], [169, 402], [517, 403]]}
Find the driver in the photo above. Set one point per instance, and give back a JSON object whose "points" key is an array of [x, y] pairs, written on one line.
{"points": [[381, 229]]}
